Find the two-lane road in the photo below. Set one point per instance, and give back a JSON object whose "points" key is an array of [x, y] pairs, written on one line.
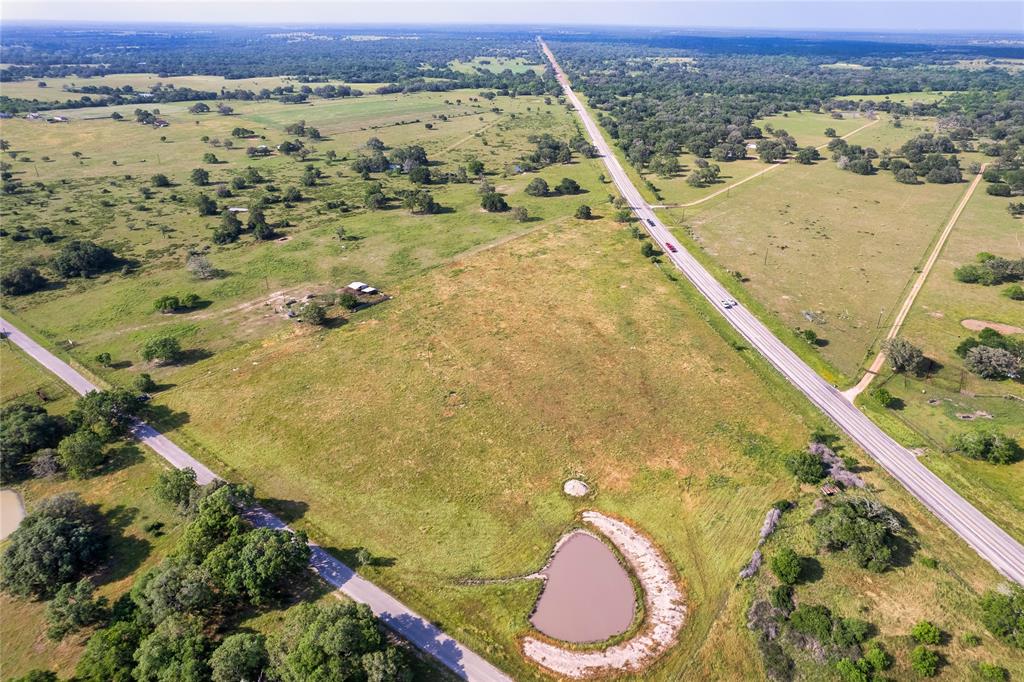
{"points": [[986, 538], [393, 613]]}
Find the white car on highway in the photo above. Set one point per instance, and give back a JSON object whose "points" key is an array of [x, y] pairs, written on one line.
{"points": [[729, 303]]}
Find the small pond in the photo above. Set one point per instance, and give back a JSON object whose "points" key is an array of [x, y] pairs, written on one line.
{"points": [[12, 511], [588, 596]]}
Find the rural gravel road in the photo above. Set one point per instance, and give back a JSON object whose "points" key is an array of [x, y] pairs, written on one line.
{"points": [[403, 620], [990, 541]]}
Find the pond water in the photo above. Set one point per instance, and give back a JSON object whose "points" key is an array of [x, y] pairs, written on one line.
{"points": [[588, 596], [12, 511]]}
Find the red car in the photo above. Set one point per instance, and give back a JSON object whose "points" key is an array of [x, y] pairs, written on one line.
{"points": [[671, 247]]}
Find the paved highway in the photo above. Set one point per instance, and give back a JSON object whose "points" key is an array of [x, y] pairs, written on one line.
{"points": [[986, 538], [394, 614]]}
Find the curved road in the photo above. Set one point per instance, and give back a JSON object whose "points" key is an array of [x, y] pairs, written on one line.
{"points": [[403, 620], [986, 538]]}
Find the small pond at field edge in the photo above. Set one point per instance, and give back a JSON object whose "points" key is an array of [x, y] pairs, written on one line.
{"points": [[588, 596], [12, 511]]}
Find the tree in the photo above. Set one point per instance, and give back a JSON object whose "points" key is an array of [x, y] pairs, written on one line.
{"points": [[420, 175], [584, 212], [313, 313], [73, 608], [199, 108], [1003, 614], [1014, 292], [475, 167], [109, 654], [82, 258], [647, 250], [906, 176], [786, 566], [37, 676], [160, 180], [205, 205], [902, 355], [493, 203], [925, 632], [110, 413], [199, 265], [862, 527], [21, 281], [830, 132], [256, 565], [924, 661], [217, 519], [241, 656], [177, 487], [55, 543], [520, 214], [25, 429], [538, 187], [292, 195], [807, 156], [568, 186], [208, 157], [200, 177], [174, 652], [166, 304], [80, 453], [162, 349], [338, 642], [174, 587], [993, 363], [806, 466]]}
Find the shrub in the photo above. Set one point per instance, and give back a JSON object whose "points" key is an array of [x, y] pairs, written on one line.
{"points": [[104, 359], [883, 397], [998, 189], [925, 632], [568, 186], [313, 313], [584, 212], [160, 180], [21, 281], [987, 445], [993, 363], [492, 202], [786, 566], [166, 304], [847, 632], [924, 661], [781, 597], [1003, 615], [806, 466], [1014, 292], [73, 608], [990, 672], [969, 639], [538, 187], [812, 620], [176, 486], [876, 658]]}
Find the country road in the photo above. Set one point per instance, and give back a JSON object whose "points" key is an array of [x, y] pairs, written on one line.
{"points": [[403, 620], [908, 303], [990, 541]]}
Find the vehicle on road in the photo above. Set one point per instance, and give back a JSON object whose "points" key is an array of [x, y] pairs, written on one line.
{"points": [[729, 303], [650, 222], [671, 247]]}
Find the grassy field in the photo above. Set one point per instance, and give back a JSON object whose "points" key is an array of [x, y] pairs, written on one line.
{"points": [[435, 430], [862, 239], [496, 65], [116, 311], [807, 127], [56, 88], [934, 323], [905, 97]]}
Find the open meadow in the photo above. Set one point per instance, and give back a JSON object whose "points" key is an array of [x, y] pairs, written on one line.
{"points": [[859, 237], [950, 399]]}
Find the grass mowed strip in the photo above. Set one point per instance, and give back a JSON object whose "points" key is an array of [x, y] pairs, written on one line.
{"points": [[857, 238], [496, 65], [951, 399]]}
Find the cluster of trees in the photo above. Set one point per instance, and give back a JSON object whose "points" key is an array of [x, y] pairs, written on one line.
{"points": [[37, 443], [170, 303], [988, 445], [538, 187], [992, 355], [549, 150], [300, 129], [990, 270], [852, 157], [864, 528]]}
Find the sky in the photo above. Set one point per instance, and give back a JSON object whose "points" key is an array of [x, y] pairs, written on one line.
{"points": [[964, 16]]}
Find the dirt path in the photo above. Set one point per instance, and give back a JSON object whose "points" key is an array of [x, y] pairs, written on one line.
{"points": [[467, 138], [876, 365], [664, 615], [978, 325], [757, 174]]}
